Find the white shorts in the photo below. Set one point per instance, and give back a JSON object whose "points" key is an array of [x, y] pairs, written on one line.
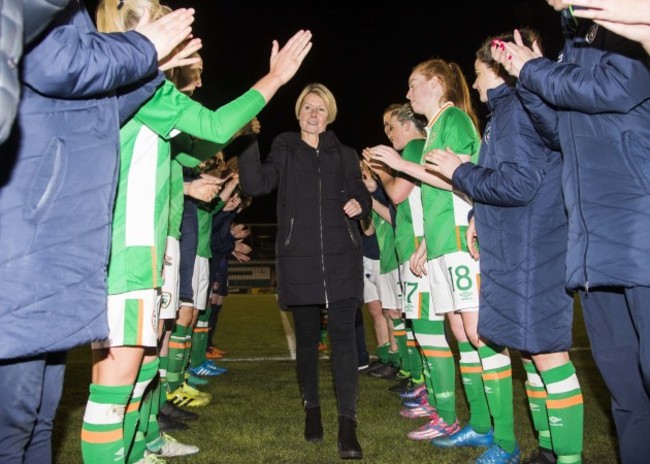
{"points": [[169, 302], [416, 296], [382, 287], [454, 280], [132, 319], [201, 282], [370, 279], [390, 292]]}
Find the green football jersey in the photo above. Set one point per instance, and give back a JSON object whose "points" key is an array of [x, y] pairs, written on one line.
{"points": [[445, 212], [409, 220], [386, 241], [142, 206]]}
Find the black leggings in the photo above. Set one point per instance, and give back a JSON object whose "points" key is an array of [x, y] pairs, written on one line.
{"points": [[341, 330]]}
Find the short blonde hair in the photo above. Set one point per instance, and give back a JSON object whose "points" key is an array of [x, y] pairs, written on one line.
{"points": [[323, 92], [114, 18]]}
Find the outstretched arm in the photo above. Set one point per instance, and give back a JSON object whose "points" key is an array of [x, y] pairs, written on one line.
{"points": [[615, 84], [71, 63], [387, 155]]}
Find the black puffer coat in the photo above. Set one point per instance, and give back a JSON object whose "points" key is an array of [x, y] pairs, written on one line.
{"points": [[318, 248]]}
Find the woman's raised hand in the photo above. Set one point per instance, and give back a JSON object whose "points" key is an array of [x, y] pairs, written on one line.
{"points": [[286, 61], [168, 31]]}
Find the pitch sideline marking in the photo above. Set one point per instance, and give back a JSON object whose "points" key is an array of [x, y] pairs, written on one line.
{"points": [[291, 337], [291, 341]]}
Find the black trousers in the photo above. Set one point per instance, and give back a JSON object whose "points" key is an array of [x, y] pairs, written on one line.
{"points": [[618, 324], [344, 361]]}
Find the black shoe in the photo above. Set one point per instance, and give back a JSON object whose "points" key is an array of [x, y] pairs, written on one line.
{"points": [[167, 424], [373, 366], [174, 412], [363, 368], [400, 386], [349, 447], [387, 371], [541, 456], [313, 424]]}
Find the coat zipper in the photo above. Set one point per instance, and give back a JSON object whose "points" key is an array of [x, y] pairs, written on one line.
{"points": [[320, 222], [354, 240], [582, 217], [288, 240]]}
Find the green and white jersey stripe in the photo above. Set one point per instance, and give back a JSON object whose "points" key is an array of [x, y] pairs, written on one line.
{"points": [[176, 199], [141, 212]]}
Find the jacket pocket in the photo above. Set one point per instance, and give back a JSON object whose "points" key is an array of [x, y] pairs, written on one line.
{"points": [[289, 238], [47, 180], [636, 152]]}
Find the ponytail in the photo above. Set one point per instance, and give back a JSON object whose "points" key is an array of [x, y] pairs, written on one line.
{"points": [[458, 93]]}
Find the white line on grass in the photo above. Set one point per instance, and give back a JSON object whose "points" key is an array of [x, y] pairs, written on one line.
{"points": [[266, 358], [292, 346], [291, 337]]}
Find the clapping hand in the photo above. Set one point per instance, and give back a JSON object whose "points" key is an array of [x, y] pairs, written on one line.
{"points": [[513, 56]]}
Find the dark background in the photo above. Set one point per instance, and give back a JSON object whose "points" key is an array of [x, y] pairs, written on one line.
{"points": [[364, 53]]}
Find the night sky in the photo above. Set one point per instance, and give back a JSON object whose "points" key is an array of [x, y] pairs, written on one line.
{"points": [[362, 52]]}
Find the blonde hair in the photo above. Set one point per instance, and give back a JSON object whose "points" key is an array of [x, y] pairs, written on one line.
{"points": [[114, 18], [323, 92], [453, 82], [405, 113]]}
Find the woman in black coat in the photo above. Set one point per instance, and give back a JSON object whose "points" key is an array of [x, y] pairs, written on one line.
{"points": [[318, 249]]}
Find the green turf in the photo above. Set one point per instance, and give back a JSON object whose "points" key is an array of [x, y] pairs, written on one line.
{"points": [[256, 415]]}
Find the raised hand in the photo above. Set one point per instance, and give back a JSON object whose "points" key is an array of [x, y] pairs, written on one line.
{"points": [[182, 55], [284, 63], [168, 31], [513, 56], [620, 11]]}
